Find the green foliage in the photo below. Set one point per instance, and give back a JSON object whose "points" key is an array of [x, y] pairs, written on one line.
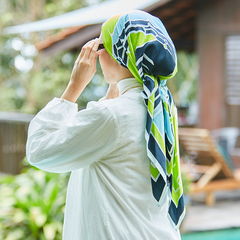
{"points": [[27, 81], [185, 84], [32, 205], [186, 181]]}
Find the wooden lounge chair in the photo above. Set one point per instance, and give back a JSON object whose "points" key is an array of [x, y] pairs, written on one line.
{"points": [[215, 168]]}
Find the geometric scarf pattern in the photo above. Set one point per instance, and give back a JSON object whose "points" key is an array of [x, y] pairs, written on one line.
{"points": [[140, 42]]}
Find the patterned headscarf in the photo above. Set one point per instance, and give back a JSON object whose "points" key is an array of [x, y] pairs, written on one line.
{"points": [[140, 42]]}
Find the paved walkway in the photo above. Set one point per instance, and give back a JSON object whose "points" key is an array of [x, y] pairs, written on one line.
{"points": [[224, 214]]}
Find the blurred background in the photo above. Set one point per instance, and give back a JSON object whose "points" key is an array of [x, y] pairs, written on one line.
{"points": [[39, 43]]}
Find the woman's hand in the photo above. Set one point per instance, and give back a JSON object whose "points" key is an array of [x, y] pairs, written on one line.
{"points": [[83, 71], [85, 65]]}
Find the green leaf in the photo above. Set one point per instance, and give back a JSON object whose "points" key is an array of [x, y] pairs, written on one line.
{"points": [[15, 235], [37, 216], [49, 231]]}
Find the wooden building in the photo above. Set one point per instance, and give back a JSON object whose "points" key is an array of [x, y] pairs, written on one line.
{"points": [[13, 136]]}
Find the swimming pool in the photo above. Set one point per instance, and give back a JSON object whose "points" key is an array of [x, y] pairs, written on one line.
{"points": [[223, 234]]}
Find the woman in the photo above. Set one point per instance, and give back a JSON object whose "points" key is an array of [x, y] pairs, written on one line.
{"points": [[123, 150]]}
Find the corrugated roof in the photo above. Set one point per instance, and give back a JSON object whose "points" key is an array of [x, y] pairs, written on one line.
{"points": [[178, 16], [94, 14], [57, 37]]}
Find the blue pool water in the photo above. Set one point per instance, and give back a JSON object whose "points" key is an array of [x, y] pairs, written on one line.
{"points": [[223, 234]]}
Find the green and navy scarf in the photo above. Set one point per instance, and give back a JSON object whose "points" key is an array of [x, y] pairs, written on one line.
{"points": [[140, 42]]}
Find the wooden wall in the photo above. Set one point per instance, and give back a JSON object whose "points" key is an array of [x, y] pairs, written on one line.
{"points": [[216, 20], [13, 136]]}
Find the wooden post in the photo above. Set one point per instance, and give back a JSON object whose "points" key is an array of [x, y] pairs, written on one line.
{"points": [[210, 199], [211, 73]]}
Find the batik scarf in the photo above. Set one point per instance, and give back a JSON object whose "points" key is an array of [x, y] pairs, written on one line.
{"points": [[140, 42]]}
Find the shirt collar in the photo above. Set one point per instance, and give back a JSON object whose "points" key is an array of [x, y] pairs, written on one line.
{"points": [[127, 84]]}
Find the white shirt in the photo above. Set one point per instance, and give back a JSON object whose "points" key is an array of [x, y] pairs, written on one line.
{"points": [[109, 192]]}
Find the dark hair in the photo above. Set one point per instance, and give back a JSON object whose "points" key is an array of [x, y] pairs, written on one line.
{"points": [[101, 46]]}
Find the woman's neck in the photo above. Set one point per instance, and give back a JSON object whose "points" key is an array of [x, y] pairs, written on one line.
{"points": [[123, 74]]}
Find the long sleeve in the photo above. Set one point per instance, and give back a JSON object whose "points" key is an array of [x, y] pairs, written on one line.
{"points": [[61, 139]]}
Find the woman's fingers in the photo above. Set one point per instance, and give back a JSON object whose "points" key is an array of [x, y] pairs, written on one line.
{"points": [[93, 54], [88, 50], [83, 51], [80, 56]]}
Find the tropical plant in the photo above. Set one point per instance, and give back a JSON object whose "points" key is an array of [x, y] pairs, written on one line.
{"points": [[186, 181], [32, 205]]}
